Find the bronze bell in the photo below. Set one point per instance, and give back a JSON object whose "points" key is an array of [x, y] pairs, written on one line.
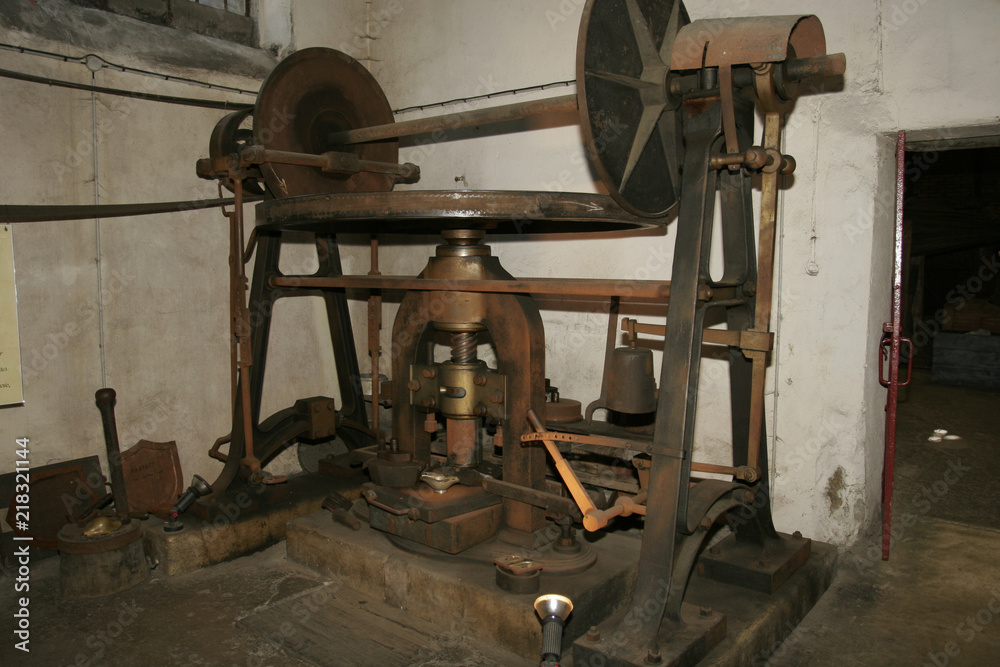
{"points": [[631, 385]]}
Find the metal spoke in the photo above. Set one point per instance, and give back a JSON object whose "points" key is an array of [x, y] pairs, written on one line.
{"points": [[673, 26], [637, 84], [643, 36], [647, 123]]}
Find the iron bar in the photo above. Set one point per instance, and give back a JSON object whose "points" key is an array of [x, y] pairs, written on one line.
{"points": [[765, 280], [406, 128], [636, 289], [345, 163], [374, 341]]}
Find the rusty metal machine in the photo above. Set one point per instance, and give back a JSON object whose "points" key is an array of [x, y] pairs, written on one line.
{"points": [[484, 459]]}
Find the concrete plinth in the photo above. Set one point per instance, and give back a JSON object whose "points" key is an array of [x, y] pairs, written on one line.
{"points": [[756, 622], [241, 525], [458, 594]]}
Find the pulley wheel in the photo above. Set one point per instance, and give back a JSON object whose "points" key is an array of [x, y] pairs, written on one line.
{"points": [[230, 136], [309, 95], [630, 122]]}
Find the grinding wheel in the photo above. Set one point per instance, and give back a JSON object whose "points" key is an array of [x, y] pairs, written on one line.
{"points": [[630, 123], [306, 97]]}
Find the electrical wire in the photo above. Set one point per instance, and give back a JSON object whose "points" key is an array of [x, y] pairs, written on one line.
{"points": [[90, 58], [169, 99], [95, 63]]}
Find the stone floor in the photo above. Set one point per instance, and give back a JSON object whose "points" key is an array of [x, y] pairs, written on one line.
{"points": [[933, 603]]}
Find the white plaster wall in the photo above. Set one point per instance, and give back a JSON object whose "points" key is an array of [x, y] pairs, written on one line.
{"points": [[160, 283], [56, 273]]}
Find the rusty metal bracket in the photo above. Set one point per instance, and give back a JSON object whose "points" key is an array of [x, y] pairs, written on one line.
{"points": [[759, 341], [320, 413]]}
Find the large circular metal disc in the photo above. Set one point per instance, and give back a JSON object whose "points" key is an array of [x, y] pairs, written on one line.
{"points": [[630, 124], [309, 95], [430, 211]]}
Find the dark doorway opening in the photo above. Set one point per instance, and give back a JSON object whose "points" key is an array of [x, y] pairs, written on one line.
{"points": [[948, 439]]}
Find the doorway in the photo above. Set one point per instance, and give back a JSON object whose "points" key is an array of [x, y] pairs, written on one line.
{"points": [[948, 437]]}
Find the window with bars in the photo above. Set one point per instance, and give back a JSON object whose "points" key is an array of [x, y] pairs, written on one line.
{"points": [[231, 20]]}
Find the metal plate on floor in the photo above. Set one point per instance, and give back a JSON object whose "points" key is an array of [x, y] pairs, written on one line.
{"points": [[760, 568]]}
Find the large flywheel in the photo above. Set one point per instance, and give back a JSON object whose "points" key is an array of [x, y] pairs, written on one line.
{"points": [[630, 123]]}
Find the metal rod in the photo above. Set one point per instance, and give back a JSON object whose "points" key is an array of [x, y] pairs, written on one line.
{"points": [[374, 342], [832, 64], [713, 468], [765, 280], [796, 69], [506, 112], [332, 161], [547, 501], [636, 289], [106, 404], [712, 336], [576, 490], [240, 321]]}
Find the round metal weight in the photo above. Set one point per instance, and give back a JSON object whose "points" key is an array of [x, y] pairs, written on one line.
{"points": [[431, 211], [518, 583], [306, 97], [565, 411], [630, 123], [93, 567]]}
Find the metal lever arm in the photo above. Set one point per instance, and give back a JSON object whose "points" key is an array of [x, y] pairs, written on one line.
{"points": [[593, 519]]}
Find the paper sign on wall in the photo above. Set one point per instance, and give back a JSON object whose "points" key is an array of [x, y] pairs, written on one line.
{"points": [[10, 349]]}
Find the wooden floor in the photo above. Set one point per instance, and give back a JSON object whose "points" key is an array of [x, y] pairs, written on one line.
{"points": [[335, 626]]}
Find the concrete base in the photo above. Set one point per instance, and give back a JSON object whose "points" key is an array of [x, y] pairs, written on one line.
{"points": [[758, 622], [458, 594], [755, 622], [240, 527], [681, 644]]}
